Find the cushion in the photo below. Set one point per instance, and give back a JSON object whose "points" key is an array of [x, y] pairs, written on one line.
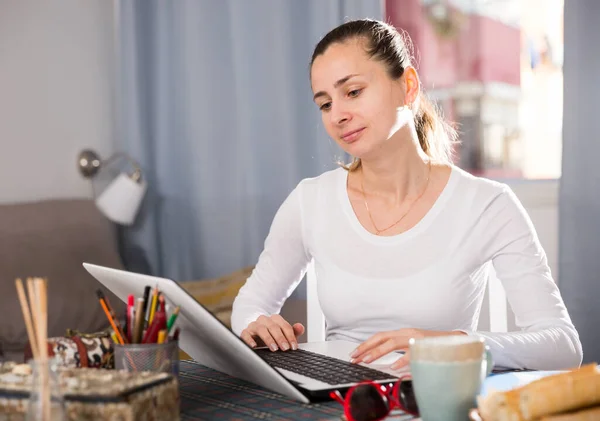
{"points": [[217, 294]]}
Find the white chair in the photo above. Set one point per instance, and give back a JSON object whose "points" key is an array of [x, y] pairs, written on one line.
{"points": [[495, 306], [315, 319]]}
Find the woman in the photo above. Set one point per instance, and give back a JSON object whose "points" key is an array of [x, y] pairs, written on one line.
{"points": [[401, 239]]}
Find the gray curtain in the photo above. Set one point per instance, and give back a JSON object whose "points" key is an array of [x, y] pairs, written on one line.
{"points": [[214, 100], [579, 233]]}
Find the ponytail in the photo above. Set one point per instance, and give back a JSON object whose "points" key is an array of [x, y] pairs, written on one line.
{"points": [[436, 137]]}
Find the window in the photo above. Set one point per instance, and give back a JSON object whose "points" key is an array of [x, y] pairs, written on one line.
{"points": [[495, 69]]}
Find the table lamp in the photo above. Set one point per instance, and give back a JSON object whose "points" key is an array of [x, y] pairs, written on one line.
{"points": [[121, 200]]}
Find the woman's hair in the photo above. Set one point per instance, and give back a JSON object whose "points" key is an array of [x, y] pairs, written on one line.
{"points": [[385, 44]]}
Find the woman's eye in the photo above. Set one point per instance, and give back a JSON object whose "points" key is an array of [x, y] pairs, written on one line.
{"points": [[325, 106], [354, 93]]}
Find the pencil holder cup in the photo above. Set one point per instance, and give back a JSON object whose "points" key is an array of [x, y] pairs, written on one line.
{"points": [[148, 357]]}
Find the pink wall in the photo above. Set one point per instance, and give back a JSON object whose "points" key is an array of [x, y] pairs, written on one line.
{"points": [[499, 52], [486, 50]]}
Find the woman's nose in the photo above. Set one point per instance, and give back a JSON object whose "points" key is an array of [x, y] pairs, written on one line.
{"points": [[340, 116]]}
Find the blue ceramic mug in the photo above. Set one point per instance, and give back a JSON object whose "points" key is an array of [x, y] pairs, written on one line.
{"points": [[447, 374]]}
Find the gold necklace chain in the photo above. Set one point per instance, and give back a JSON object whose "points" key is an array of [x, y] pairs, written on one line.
{"points": [[377, 230]]}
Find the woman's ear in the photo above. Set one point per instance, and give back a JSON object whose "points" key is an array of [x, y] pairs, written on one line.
{"points": [[412, 85]]}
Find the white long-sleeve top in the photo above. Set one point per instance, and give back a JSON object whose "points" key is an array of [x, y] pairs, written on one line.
{"points": [[431, 277]]}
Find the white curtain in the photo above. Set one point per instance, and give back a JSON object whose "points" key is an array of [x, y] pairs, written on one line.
{"points": [[214, 100], [579, 233]]}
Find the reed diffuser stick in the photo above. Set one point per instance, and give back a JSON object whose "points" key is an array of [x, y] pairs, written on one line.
{"points": [[27, 317], [41, 294], [35, 314], [33, 304]]}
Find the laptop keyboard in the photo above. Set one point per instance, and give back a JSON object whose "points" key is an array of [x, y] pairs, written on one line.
{"points": [[321, 367]]}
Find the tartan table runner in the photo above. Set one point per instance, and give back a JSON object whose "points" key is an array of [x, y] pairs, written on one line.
{"points": [[208, 394]]}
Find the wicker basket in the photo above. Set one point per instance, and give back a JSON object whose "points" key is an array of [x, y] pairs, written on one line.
{"points": [[97, 394]]}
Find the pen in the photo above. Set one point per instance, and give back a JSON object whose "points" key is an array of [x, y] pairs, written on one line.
{"points": [[126, 326], [158, 323], [176, 334], [129, 318], [147, 290], [138, 324], [153, 305], [114, 323], [162, 335], [114, 316], [172, 319]]}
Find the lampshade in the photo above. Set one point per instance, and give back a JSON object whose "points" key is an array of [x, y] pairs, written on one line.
{"points": [[122, 198]]}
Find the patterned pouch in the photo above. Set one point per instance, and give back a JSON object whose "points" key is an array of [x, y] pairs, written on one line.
{"points": [[76, 349]]}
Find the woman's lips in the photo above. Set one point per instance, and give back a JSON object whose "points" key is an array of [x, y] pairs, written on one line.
{"points": [[352, 136]]}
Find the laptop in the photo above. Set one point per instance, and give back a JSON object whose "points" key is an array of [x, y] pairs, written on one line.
{"points": [[306, 375]]}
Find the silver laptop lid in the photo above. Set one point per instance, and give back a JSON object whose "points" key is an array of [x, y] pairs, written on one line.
{"points": [[203, 336]]}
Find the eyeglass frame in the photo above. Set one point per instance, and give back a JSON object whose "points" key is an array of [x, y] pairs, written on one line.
{"points": [[388, 393]]}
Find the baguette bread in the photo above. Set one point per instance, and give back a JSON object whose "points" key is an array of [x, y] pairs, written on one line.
{"points": [[549, 395], [580, 390], [587, 414]]}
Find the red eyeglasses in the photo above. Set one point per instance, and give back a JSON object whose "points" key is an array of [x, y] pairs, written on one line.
{"points": [[370, 401]]}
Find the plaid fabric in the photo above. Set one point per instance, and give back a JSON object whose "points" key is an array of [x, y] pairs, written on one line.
{"points": [[207, 394]]}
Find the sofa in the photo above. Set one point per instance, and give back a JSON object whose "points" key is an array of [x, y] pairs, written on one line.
{"points": [[51, 239]]}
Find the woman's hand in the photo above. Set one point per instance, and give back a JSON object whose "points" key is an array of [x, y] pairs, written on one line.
{"points": [[383, 343], [274, 331]]}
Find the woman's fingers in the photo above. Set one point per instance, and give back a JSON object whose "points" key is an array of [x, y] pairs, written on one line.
{"points": [[264, 333], [402, 362], [367, 346], [274, 331], [378, 351], [298, 329], [247, 337], [283, 333], [381, 344]]}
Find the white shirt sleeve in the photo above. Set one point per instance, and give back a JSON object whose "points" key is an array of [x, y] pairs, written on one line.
{"points": [[547, 340], [280, 267]]}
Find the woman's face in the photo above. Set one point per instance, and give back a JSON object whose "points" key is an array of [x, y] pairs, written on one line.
{"points": [[361, 106]]}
